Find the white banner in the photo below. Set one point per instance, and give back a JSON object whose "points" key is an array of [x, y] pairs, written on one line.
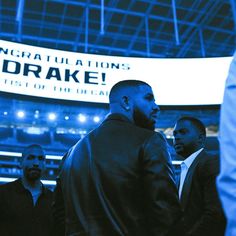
{"points": [[49, 73]]}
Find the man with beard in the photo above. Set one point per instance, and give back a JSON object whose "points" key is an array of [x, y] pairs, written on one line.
{"points": [[25, 204], [203, 214], [118, 180]]}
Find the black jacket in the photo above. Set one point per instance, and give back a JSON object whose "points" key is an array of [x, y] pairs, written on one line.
{"points": [[203, 213], [118, 180], [18, 215]]}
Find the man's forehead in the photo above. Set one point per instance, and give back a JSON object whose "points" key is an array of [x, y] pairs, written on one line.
{"points": [[183, 124], [34, 151], [145, 89]]}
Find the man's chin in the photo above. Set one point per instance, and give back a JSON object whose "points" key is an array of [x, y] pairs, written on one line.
{"points": [[179, 149], [150, 126], [34, 175]]}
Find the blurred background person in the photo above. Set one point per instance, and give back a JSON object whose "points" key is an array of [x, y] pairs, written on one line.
{"points": [[203, 214], [118, 180], [25, 204], [227, 178]]}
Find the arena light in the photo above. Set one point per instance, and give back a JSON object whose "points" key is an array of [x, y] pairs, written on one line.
{"points": [[5, 113], [82, 132], [81, 118], [52, 116], [20, 114], [66, 117], [46, 182], [36, 114], [18, 154], [96, 119]]}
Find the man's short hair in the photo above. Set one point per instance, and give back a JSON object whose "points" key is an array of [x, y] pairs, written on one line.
{"points": [[195, 122], [32, 146], [125, 84]]}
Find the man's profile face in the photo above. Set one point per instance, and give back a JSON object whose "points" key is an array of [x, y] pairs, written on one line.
{"points": [[186, 138], [145, 108], [33, 163]]}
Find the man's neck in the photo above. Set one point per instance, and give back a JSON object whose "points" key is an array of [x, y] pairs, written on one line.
{"points": [[32, 186]]}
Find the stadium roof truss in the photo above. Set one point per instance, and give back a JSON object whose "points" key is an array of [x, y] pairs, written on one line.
{"points": [[136, 28]]}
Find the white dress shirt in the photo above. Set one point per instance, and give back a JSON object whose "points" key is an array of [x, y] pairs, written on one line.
{"points": [[185, 165], [226, 181]]}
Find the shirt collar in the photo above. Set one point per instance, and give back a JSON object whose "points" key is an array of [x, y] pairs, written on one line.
{"points": [[189, 160], [21, 188]]}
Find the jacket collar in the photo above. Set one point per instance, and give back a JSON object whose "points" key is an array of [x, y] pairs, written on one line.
{"points": [[188, 179], [20, 187], [118, 117]]}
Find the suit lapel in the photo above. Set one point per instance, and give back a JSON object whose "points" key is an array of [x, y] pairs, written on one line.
{"points": [[188, 180]]}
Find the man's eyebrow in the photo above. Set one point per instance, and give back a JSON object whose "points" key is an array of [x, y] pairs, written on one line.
{"points": [[33, 155], [149, 95]]}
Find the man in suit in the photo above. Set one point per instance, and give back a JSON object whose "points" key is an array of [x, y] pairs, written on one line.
{"points": [[25, 204], [203, 214], [118, 180]]}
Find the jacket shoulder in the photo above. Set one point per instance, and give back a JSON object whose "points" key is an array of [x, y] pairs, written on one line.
{"points": [[9, 186], [209, 164]]}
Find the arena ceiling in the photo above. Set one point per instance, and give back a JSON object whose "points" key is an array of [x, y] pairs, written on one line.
{"points": [[140, 28]]}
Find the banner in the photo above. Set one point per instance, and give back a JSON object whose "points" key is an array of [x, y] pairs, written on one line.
{"points": [[49, 73]]}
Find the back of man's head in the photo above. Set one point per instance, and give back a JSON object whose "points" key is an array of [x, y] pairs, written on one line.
{"points": [[124, 88]]}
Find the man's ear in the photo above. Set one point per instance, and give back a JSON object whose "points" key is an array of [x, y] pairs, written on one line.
{"points": [[125, 103], [20, 163], [202, 138]]}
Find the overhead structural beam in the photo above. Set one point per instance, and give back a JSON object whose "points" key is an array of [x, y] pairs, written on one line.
{"points": [[142, 15], [121, 11], [202, 43], [107, 18], [138, 29], [61, 22], [86, 30], [67, 42], [102, 18], [233, 5], [147, 36], [19, 14], [175, 22], [190, 36]]}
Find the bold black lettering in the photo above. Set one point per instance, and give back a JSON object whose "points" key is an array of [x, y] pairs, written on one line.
{"points": [[101, 93], [37, 57], [4, 50], [105, 65], [59, 60], [103, 79], [125, 66], [39, 86], [79, 62], [68, 62], [15, 53], [26, 54], [88, 77], [113, 65], [35, 69], [73, 75], [15, 70], [53, 72]]}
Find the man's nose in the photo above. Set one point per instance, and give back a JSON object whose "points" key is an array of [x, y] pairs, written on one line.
{"points": [[176, 136], [156, 108], [36, 162]]}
